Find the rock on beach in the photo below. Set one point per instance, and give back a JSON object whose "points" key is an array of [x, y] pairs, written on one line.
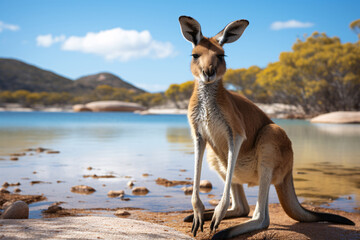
{"points": [[82, 189], [16, 210], [140, 191], [113, 194], [121, 213]]}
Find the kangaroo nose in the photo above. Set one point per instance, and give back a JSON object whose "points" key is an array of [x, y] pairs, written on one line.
{"points": [[209, 72]]}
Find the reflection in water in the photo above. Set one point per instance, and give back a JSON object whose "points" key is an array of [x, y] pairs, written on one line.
{"points": [[127, 145], [327, 161]]}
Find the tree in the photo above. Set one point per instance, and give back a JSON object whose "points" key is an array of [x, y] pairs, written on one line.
{"points": [[321, 74], [173, 93], [243, 81], [355, 26], [149, 99], [185, 90], [104, 92]]}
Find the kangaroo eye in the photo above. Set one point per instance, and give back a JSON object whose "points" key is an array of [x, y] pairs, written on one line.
{"points": [[221, 56], [195, 56]]}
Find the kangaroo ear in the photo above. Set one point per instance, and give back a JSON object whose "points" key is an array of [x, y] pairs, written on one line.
{"points": [[232, 32], [190, 29]]}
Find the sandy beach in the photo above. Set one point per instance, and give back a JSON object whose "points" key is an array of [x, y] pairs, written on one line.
{"points": [[140, 224]]}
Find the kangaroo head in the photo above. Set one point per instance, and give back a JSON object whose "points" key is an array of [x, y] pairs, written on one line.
{"points": [[208, 63]]}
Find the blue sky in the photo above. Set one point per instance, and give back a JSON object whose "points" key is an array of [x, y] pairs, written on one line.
{"points": [[140, 41]]}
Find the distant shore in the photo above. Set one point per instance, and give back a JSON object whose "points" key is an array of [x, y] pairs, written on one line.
{"points": [[276, 110]]}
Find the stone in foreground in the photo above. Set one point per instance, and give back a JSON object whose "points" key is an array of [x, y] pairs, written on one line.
{"points": [[16, 210]]}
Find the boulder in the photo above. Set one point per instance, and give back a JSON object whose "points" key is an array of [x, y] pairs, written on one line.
{"points": [[337, 117], [81, 108], [53, 209], [187, 190], [16, 210], [82, 189], [205, 184], [140, 191], [113, 106], [119, 193], [3, 190], [121, 213]]}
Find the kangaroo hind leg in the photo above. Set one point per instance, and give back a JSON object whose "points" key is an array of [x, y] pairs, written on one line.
{"points": [[239, 207], [260, 218]]}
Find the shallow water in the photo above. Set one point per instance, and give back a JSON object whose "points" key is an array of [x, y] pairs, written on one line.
{"points": [[126, 145]]}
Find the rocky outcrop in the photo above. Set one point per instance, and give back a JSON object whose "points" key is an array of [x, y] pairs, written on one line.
{"points": [[337, 117], [108, 106]]}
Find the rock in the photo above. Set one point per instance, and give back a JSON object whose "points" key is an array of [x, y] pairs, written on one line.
{"points": [[38, 182], [6, 184], [97, 176], [121, 213], [118, 193], [17, 210], [214, 202], [182, 170], [82, 189], [125, 199], [205, 184], [211, 195], [170, 183], [14, 158], [81, 108], [89, 168], [17, 154], [113, 106], [130, 184], [40, 149], [6, 204], [29, 149], [140, 191], [53, 209], [17, 190], [187, 190], [145, 174], [52, 152], [3, 190], [338, 117]]}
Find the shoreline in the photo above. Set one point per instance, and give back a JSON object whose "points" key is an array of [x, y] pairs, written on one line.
{"points": [[281, 226]]}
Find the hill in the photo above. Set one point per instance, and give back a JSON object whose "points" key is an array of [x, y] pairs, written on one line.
{"points": [[104, 78], [15, 75]]}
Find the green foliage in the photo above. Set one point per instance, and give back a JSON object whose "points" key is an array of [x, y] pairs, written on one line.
{"points": [[355, 26], [244, 82], [179, 92], [321, 74], [150, 99]]}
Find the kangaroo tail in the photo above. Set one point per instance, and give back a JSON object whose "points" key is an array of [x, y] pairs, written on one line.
{"points": [[293, 208]]}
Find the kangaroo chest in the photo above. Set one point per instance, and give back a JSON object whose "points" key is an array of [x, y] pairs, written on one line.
{"points": [[209, 119]]}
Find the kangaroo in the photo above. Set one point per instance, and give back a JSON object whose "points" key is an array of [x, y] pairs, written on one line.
{"points": [[243, 144]]}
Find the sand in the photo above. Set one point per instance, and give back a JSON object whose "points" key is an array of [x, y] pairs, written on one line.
{"points": [[142, 224]]}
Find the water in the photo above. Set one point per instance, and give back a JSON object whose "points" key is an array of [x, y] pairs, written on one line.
{"points": [[126, 145]]}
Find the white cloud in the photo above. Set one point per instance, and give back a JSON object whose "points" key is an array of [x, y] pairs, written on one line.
{"points": [[119, 44], [6, 26], [48, 40], [290, 24]]}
